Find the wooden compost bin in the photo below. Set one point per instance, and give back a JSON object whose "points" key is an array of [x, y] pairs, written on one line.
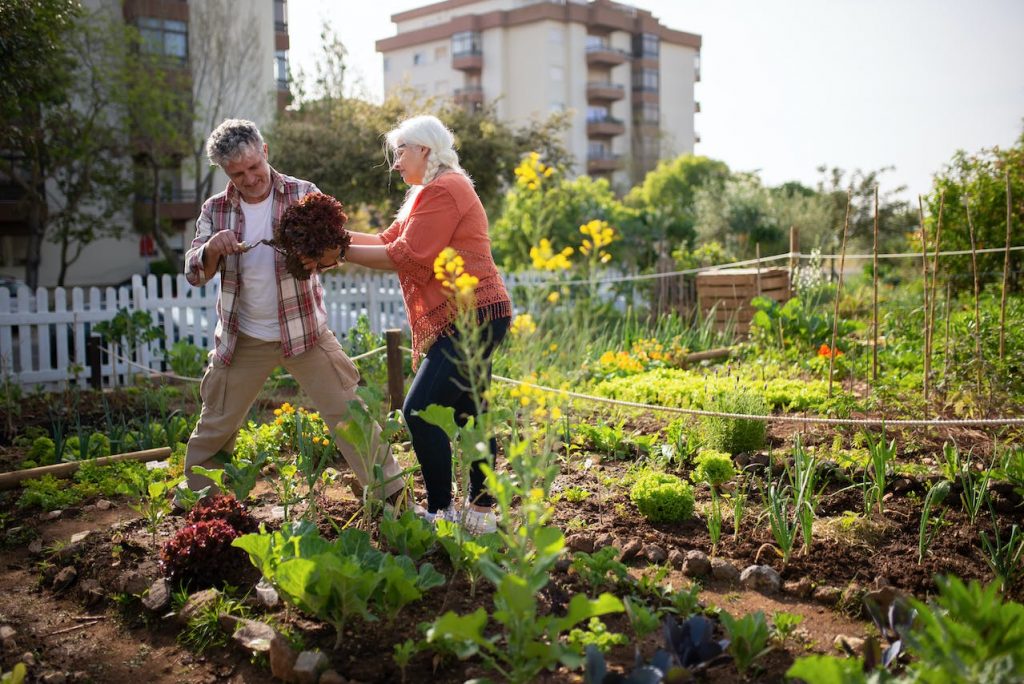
{"points": [[729, 292]]}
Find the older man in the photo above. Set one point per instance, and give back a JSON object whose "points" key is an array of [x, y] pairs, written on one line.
{"points": [[266, 317]]}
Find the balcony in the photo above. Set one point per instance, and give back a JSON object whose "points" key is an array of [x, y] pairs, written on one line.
{"points": [[469, 96], [605, 91], [605, 55], [604, 162], [13, 207], [472, 60], [176, 205], [605, 127]]}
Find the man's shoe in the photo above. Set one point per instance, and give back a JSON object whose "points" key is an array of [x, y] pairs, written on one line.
{"points": [[479, 522], [451, 514]]}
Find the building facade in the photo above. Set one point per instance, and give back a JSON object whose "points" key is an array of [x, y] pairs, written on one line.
{"points": [[194, 39], [625, 78]]}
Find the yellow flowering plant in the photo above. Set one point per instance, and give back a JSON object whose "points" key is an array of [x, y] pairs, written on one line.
{"points": [[312, 444]]}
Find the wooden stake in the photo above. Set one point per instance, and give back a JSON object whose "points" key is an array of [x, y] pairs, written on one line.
{"points": [[839, 292], [396, 377], [11, 479], [945, 352], [924, 275], [794, 251], [1006, 275], [757, 253], [931, 296], [874, 298], [977, 295]]}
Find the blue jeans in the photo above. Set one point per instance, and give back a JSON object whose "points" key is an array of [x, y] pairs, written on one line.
{"points": [[440, 380]]}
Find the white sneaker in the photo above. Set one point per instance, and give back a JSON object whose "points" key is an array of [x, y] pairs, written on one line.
{"points": [[450, 514], [480, 522]]}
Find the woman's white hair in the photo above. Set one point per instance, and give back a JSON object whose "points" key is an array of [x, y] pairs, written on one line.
{"points": [[427, 131]]}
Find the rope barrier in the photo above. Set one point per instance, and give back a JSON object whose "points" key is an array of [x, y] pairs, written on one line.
{"points": [[184, 378], [818, 420], [749, 262]]}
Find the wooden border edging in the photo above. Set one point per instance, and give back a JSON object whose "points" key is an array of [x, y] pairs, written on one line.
{"points": [[10, 480]]}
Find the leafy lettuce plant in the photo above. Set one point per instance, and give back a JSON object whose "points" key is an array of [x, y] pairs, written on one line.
{"points": [[408, 534], [661, 497], [594, 568], [748, 638]]}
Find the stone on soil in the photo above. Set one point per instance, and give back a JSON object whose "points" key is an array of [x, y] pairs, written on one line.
{"points": [[196, 602], [65, 578], [632, 549], [762, 578], [655, 553], [724, 571], [308, 667], [158, 598], [282, 659], [696, 564]]}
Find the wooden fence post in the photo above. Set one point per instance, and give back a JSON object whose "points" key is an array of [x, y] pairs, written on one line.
{"points": [[94, 358], [396, 378]]}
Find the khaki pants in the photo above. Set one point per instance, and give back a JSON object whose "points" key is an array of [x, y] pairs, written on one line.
{"points": [[326, 374]]}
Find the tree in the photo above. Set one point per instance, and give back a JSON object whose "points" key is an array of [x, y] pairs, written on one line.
{"points": [[666, 197], [739, 214], [35, 71], [895, 216], [979, 180]]}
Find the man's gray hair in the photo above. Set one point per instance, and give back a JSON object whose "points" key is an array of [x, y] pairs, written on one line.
{"points": [[231, 140]]}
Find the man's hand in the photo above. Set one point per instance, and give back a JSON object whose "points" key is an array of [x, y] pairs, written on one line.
{"points": [[223, 244], [328, 259]]}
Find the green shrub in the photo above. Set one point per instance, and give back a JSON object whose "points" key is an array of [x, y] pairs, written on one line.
{"points": [[713, 467], [661, 497], [43, 451], [97, 445], [48, 493], [735, 435]]}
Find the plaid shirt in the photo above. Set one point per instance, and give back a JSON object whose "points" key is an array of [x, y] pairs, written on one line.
{"points": [[300, 303]]}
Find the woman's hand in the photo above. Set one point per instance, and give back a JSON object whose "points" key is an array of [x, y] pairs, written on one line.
{"points": [[329, 259]]}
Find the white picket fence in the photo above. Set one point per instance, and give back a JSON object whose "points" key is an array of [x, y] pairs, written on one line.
{"points": [[44, 334]]}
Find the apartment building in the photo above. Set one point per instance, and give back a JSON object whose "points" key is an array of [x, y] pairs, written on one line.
{"points": [[193, 38], [626, 79]]}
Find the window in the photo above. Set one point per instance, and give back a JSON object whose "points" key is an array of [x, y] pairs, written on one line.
{"points": [[441, 53], [164, 37], [281, 16], [596, 43], [646, 45], [597, 150], [281, 69], [466, 43], [649, 113], [419, 58], [597, 113], [645, 79]]}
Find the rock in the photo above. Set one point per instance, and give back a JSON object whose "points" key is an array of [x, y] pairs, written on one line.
{"points": [[696, 564], [883, 597], [762, 578], [603, 540], [81, 537], [631, 550], [91, 592], [902, 485], [35, 547], [308, 667], [655, 554], [827, 594], [104, 505], [282, 659], [849, 644], [28, 658], [332, 677], [158, 597], [563, 564], [51, 515], [54, 677], [133, 582], [580, 542], [195, 603], [801, 588], [254, 635], [724, 571], [65, 578], [676, 558], [266, 595], [7, 633]]}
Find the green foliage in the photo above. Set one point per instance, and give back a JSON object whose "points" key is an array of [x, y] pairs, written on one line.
{"points": [[111, 479], [16, 675], [748, 638], [606, 439], [408, 534], [929, 526], [152, 493], [600, 569], [48, 493], [596, 634], [1005, 555], [969, 635], [797, 323], [739, 214], [713, 467], [642, 619], [661, 497], [880, 467], [186, 359], [827, 669], [42, 451], [129, 329], [784, 624], [735, 435], [203, 630], [96, 445]]}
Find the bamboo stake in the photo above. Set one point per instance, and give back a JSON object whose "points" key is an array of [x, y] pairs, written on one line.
{"points": [[839, 292], [935, 272], [757, 253], [977, 294], [945, 352], [874, 299], [11, 479], [924, 272], [1006, 275]]}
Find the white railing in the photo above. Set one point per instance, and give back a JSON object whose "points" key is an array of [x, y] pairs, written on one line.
{"points": [[44, 333]]}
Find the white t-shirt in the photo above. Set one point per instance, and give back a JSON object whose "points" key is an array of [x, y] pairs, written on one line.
{"points": [[257, 299]]}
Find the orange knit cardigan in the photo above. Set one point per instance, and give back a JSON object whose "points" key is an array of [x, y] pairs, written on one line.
{"points": [[446, 213]]}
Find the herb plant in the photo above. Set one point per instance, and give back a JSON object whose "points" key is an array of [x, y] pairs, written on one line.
{"points": [[661, 497]]}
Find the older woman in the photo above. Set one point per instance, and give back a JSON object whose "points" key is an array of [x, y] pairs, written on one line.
{"points": [[440, 210]]}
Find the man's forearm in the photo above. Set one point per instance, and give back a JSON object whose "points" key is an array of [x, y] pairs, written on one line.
{"points": [[371, 256], [211, 262]]}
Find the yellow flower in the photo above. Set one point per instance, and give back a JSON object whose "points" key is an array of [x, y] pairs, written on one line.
{"points": [[523, 325], [553, 297], [278, 412], [556, 413], [553, 347]]}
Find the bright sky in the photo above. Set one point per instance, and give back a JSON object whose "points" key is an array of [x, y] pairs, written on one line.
{"points": [[789, 85]]}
